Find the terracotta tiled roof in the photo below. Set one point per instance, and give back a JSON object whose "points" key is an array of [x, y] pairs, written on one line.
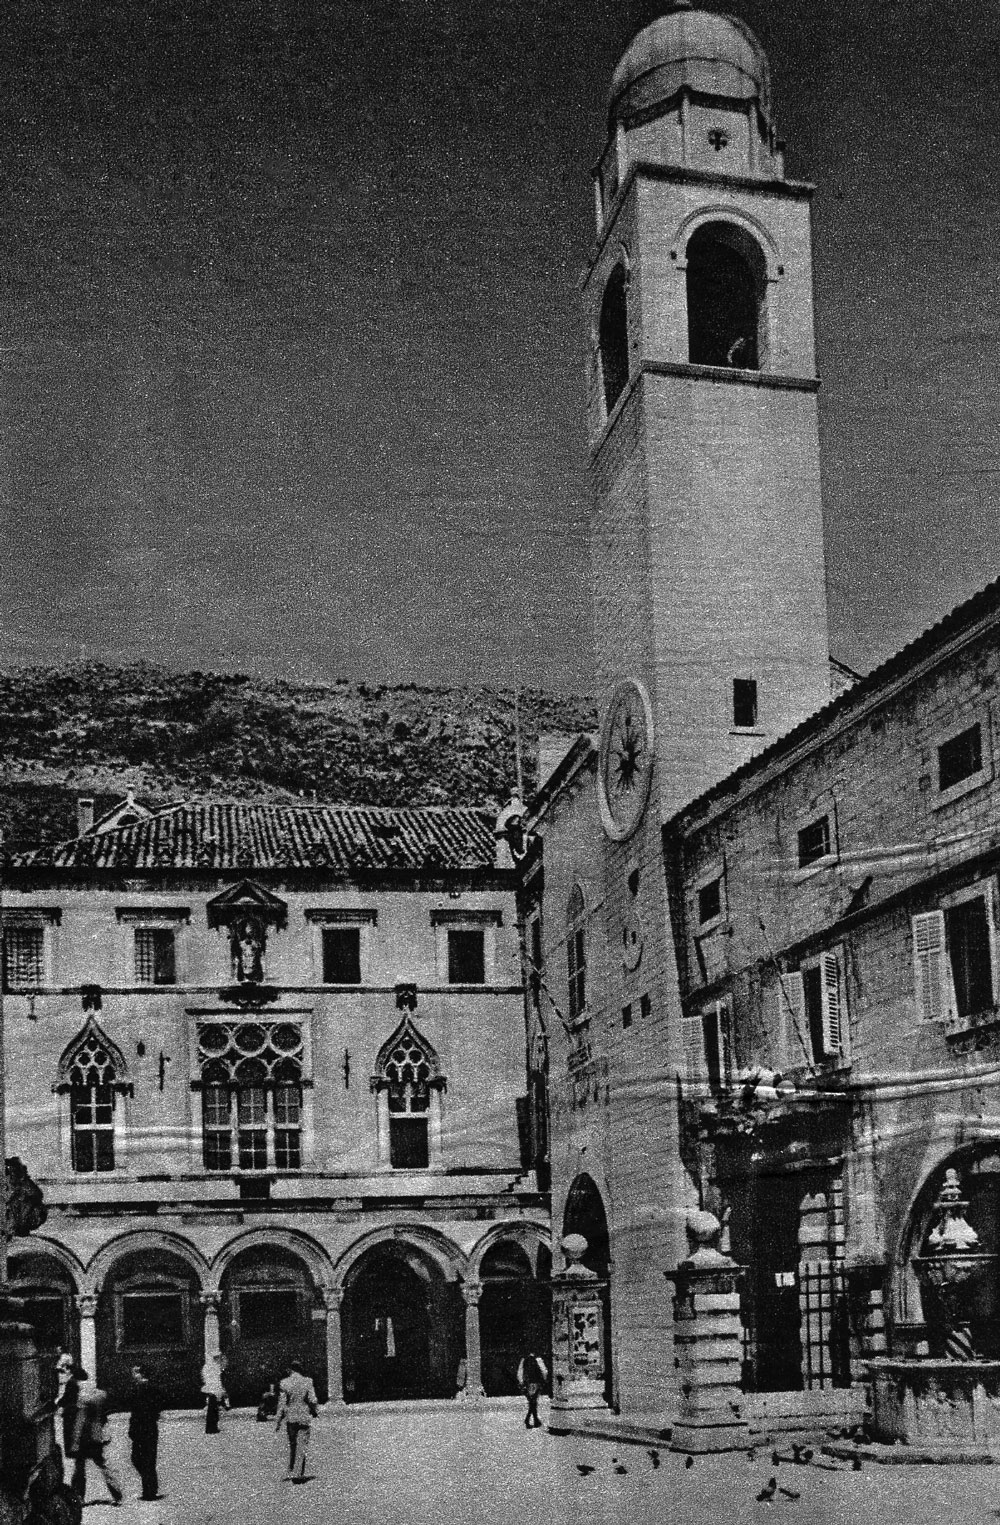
{"points": [[339, 839]]}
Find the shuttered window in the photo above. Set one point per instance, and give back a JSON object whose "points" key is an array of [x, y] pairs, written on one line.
{"points": [[693, 1048], [789, 1049], [929, 966]]}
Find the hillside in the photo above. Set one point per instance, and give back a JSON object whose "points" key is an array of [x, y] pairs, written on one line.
{"points": [[98, 730]]}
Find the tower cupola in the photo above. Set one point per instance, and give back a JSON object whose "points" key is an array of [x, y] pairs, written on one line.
{"points": [[692, 91]]}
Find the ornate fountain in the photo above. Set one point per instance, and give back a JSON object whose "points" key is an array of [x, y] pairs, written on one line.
{"points": [[948, 1401]]}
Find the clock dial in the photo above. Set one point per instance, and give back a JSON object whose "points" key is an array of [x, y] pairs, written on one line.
{"points": [[626, 760]]}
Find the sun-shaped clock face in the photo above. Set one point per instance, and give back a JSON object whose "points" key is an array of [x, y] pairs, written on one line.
{"points": [[626, 761]]}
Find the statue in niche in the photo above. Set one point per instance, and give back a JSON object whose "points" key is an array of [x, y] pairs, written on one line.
{"points": [[247, 938]]}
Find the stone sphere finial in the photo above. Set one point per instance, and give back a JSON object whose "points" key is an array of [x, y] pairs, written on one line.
{"points": [[704, 1231]]}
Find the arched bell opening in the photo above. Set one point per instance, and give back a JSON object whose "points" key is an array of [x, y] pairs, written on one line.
{"points": [[726, 286], [612, 338]]}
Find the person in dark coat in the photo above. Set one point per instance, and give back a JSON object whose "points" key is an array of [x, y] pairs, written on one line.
{"points": [[144, 1432], [67, 1404], [531, 1376]]}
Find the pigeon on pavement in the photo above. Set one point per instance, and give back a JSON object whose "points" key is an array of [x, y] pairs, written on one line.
{"points": [[768, 1491]]}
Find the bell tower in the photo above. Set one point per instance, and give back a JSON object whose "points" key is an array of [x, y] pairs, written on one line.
{"points": [[707, 536]]}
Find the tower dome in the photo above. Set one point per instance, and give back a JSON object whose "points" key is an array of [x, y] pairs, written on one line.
{"points": [[687, 49]]}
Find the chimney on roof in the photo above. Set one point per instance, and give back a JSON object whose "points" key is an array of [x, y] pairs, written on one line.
{"points": [[84, 815]]}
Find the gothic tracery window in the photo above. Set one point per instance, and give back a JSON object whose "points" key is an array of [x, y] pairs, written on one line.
{"points": [[251, 1095], [92, 1072], [408, 1081]]}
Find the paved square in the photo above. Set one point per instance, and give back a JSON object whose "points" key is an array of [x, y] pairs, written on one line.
{"points": [[456, 1467]]}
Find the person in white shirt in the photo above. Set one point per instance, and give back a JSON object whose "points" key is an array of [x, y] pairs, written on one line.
{"points": [[297, 1408]]}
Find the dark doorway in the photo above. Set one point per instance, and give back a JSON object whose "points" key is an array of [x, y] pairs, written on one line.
{"points": [[585, 1215], [401, 1328], [514, 1316], [764, 1237], [267, 1320], [723, 298]]}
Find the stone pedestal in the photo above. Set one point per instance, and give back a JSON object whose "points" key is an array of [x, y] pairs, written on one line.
{"points": [[27, 1438], [708, 1340], [578, 1335]]}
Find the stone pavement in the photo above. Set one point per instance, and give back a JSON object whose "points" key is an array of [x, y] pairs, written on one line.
{"points": [[460, 1466]]}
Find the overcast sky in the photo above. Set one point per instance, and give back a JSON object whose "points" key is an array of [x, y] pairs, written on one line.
{"points": [[292, 353]]}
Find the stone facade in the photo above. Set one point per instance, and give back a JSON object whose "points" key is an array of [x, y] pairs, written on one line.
{"points": [[270, 1075]]}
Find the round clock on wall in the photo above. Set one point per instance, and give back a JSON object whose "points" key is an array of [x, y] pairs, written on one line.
{"points": [[625, 767]]}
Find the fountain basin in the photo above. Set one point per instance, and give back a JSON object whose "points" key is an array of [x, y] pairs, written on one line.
{"points": [[940, 1404]]}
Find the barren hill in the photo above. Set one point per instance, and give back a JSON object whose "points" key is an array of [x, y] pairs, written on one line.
{"points": [[91, 729]]}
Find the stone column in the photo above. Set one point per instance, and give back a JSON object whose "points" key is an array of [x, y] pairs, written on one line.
{"points": [[210, 1304], [472, 1291], [87, 1305], [332, 1298], [578, 1334], [708, 1340]]}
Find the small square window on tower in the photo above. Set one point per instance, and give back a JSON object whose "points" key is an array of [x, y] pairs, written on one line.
{"points": [[745, 703]]}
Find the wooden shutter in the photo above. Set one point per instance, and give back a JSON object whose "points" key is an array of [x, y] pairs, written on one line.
{"points": [[718, 1047], [791, 1021], [693, 1043], [929, 966], [833, 1013]]}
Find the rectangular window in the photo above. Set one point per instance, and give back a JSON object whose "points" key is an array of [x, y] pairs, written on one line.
{"points": [[710, 901], [268, 1127], [576, 960], [287, 1127], [745, 703], [155, 956], [24, 957], [814, 841], [251, 1119], [825, 1022], [627, 1015], [409, 1147], [269, 1312], [466, 956], [717, 1047], [217, 1143], [92, 1128], [960, 757], [341, 955], [967, 932], [152, 1319], [645, 1006]]}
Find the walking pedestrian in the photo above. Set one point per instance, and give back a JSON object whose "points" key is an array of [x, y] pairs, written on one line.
{"points": [[532, 1374], [144, 1432], [90, 1438], [297, 1408], [213, 1392]]}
